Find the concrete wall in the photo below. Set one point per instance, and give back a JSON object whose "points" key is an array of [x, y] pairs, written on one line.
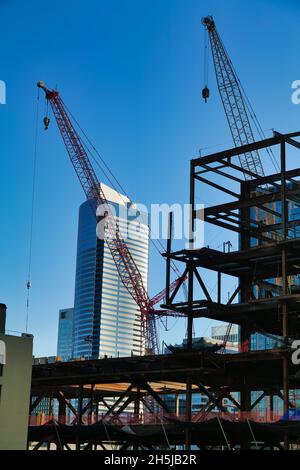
{"points": [[15, 383]]}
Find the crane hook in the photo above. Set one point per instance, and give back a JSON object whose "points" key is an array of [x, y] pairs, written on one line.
{"points": [[205, 93], [46, 122]]}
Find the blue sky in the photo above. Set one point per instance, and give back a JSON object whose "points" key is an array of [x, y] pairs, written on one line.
{"points": [[132, 73]]}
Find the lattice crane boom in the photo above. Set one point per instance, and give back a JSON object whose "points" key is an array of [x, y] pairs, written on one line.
{"points": [[234, 107], [126, 266], [128, 270], [233, 101]]}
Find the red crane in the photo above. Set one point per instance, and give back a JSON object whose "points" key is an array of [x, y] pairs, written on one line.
{"points": [[128, 270]]}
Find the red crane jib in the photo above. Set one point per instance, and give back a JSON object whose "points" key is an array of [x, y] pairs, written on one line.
{"points": [[125, 264]]}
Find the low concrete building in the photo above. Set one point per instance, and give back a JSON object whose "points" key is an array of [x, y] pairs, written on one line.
{"points": [[15, 383]]}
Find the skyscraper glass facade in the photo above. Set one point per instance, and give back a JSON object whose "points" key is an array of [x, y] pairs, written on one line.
{"points": [[106, 318], [65, 334]]}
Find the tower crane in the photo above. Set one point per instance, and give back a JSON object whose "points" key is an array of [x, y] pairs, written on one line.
{"points": [[234, 106], [126, 266]]}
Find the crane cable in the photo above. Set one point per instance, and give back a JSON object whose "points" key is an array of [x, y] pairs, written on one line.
{"points": [[28, 285], [206, 58]]}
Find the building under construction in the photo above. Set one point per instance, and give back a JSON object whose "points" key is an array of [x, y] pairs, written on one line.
{"points": [[134, 390], [124, 403]]}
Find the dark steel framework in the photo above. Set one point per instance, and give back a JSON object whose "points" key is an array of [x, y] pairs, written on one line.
{"points": [[143, 382], [266, 252]]}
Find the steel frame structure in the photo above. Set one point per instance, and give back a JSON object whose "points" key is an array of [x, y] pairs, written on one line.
{"points": [[143, 382], [151, 424], [261, 256]]}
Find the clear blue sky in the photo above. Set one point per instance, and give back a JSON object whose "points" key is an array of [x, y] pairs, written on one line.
{"points": [[132, 73]]}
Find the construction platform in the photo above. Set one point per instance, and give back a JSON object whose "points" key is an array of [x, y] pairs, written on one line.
{"points": [[205, 435], [164, 374], [145, 383]]}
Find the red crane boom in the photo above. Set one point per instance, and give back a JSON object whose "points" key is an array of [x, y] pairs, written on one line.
{"points": [[128, 270]]}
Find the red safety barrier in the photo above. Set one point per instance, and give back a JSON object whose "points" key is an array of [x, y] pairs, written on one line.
{"points": [[149, 418]]}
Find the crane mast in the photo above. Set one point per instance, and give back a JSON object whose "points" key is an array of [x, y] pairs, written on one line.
{"points": [[125, 264], [233, 101]]}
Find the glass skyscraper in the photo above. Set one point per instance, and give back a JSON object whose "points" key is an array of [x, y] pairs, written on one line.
{"points": [[106, 318], [65, 334]]}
